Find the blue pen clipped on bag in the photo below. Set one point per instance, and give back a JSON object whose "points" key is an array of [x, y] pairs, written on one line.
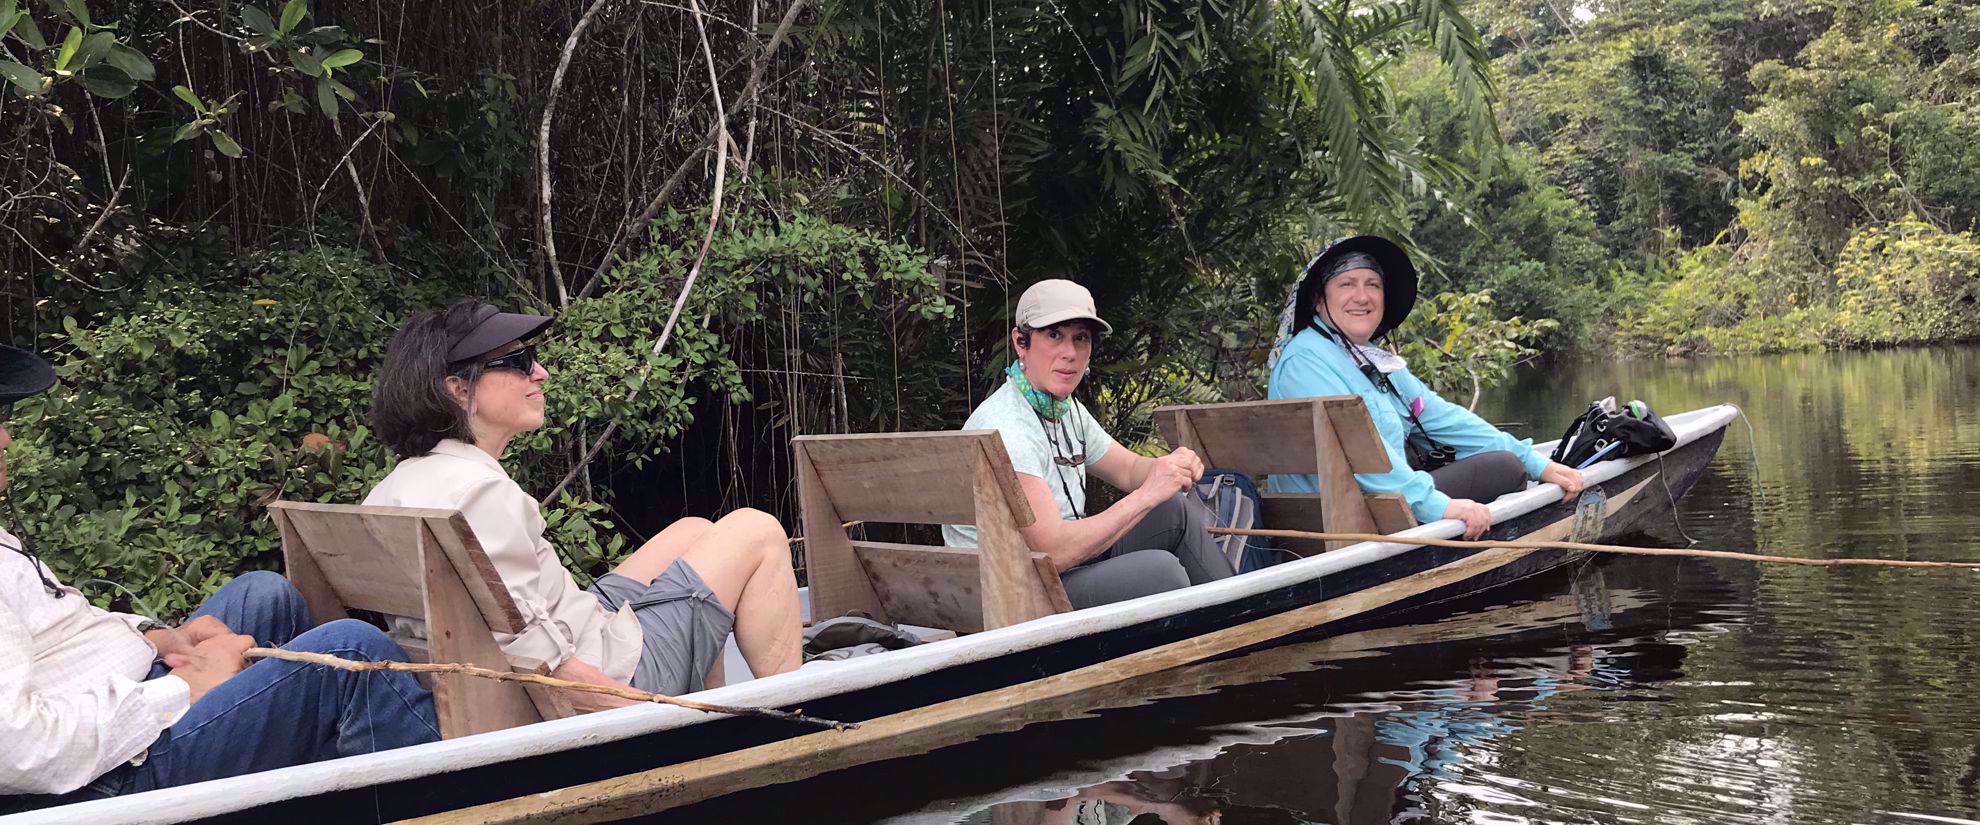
{"points": [[1598, 455]]}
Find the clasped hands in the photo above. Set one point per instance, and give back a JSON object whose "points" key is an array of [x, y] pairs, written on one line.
{"points": [[204, 652]]}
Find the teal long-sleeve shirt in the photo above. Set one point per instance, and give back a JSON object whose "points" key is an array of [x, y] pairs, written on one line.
{"points": [[1311, 366]]}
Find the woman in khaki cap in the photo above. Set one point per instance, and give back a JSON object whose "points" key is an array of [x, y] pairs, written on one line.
{"points": [[1156, 537]]}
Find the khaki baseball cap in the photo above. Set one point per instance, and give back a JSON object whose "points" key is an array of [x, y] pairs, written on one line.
{"points": [[1056, 301]]}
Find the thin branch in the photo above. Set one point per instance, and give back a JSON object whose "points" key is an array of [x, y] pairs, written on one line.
{"points": [[1595, 548], [59, 269], [638, 223], [722, 142], [748, 93], [369, 228], [104, 146], [190, 17], [543, 150], [327, 660]]}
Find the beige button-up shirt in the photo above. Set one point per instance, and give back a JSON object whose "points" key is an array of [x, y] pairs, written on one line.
{"points": [[563, 619]]}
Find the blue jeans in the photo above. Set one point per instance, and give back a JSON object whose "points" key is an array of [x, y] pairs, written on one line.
{"points": [[275, 714]]}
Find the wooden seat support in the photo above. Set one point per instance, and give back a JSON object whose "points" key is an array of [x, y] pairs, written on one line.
{"points": [[921, 478], [1331, 436], [418, 564]]}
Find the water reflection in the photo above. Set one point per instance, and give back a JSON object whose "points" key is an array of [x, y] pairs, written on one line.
{"points": [[1383, 730]]}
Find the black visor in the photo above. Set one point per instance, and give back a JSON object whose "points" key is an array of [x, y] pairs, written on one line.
{"points": [[23, 374], [492, 329]]}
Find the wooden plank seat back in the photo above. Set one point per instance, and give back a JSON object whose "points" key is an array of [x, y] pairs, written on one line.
{"points": [[957, 477], [1332, 436], [420, 564]]}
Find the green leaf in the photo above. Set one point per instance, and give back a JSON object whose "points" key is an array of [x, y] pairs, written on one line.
{"points": [[342, 90], [292, 103], [108, 82], [293, 14], [24, 78], [191, 99], [80, 11], [326, 98], [189, 131], [258, 43], [70, 45], [8, 16], [342, 59], [257, 20], [225, 144], [30, 34], [133, 63], [93, 48], [306, 62]]}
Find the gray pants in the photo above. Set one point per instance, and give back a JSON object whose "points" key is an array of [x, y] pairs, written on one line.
{"points": [[1482, 477], [1168, 549]]}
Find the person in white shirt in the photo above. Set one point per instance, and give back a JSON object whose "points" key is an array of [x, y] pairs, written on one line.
{"points": [[1153, 539], [95, 703], [456, 387]]}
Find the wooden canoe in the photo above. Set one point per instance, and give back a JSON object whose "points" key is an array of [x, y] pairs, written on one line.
{"points": [[639, 761]]}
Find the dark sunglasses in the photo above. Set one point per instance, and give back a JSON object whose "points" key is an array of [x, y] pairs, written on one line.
{"points": [[522, 360]]}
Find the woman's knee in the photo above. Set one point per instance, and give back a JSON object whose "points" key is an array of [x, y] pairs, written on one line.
{"points": [[1502, 464], [690, 524], [1125, 577], [755, 526], [1149, 571]]}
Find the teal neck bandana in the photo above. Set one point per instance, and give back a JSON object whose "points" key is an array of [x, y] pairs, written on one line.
{"points": [[1052, 409]]}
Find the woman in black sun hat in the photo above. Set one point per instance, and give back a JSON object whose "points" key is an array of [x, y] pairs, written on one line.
{"points": [[1444, 460]]}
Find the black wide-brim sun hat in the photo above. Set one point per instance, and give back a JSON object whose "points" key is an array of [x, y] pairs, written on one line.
{"points": [[23, 374], [493, 328], [1398, 277]]}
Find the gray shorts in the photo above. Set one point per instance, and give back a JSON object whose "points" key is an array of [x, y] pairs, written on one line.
{"points": [[684, 627]]}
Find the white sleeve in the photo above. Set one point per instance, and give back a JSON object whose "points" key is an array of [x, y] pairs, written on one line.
{"points": [[56, 744]]}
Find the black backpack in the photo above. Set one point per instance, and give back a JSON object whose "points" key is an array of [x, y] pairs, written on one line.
{"points": [[1604, 432], [1234, 503]]}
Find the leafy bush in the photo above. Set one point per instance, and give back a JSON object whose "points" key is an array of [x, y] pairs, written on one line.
{"points": [[1909, 282], [183, 411], [1458, 347]]}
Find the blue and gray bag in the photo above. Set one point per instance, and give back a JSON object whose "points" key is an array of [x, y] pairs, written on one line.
{"points": [[1233, 500]]}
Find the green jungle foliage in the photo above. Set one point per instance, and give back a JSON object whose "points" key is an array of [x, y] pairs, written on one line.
{"points": [[1721, 175], [215, 213]]}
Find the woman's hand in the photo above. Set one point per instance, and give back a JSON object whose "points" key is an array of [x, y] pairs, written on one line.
{"points": [[573, 670], [1569, 479], [1476, 517]]}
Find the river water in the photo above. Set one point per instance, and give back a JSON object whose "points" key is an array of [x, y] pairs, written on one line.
{"points": [[1629, 690]]}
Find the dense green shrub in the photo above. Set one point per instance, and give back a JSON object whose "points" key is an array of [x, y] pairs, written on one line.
{"points": [[182, 410]]}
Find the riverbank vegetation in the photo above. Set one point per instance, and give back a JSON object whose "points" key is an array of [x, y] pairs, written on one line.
{"points": [[1706, 176], [215, 214]]}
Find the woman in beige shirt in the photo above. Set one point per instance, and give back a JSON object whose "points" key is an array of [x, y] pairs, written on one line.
{"points": [[456, 386]]}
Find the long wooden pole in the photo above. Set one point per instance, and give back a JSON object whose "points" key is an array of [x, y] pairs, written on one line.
{"points": [[453, 668], [1597, 548]]}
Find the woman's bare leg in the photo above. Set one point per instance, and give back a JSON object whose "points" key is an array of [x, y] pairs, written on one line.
{"points": [[746, 559], [653, 557]]}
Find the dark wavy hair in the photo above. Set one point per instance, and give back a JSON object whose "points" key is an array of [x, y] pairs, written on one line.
{"points": [[1092, 329], [410, 408]]}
